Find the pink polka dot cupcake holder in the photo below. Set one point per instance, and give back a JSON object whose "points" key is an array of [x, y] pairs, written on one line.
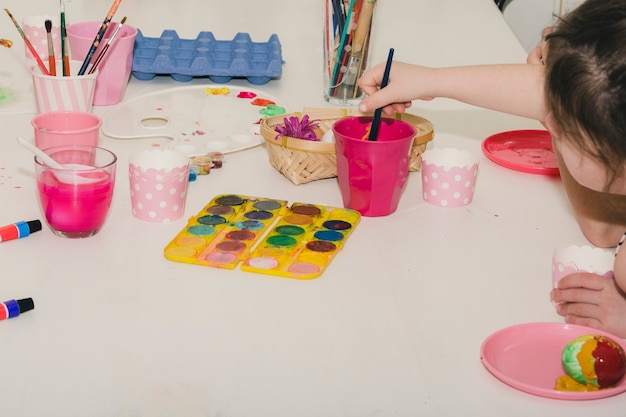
{"points": [[449, 177], [158, 195]]}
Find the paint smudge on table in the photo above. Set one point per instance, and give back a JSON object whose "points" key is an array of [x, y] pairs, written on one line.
{"points": [[7, 96], [6, 179]]}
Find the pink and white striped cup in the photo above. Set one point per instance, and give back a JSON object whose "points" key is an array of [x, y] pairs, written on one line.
{"points": [[64, 93]]}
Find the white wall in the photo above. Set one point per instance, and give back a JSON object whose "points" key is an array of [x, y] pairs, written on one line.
{"points": [[527, 18]]}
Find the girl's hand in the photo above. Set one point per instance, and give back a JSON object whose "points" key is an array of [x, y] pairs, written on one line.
{"points": [[403, 87], [538, 55], [591, 300]]}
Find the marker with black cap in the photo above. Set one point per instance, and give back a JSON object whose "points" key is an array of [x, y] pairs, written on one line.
{"points": [[19, 230], [13, 308]]}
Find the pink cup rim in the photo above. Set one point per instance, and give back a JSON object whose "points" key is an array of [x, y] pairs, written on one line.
{"points": [[74, 66], [36, 121], [79, 25], [369, 118], [52, 149]]}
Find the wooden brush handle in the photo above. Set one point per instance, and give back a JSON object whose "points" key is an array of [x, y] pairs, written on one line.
{"points": [[363, 25]]}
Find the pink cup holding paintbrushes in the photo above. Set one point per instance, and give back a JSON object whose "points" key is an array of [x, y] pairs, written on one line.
{"points": [[372, 174], [59, 93], [115, 68]]}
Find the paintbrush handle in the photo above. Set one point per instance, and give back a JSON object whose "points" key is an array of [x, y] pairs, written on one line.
{"points": [[99, 36], [42, 66], [51, 59], [64, 51], [66, 65], [379, 111], [29, 45], [94, 46], [105, 48], [99, 58], [363, 25], [52, 64]]}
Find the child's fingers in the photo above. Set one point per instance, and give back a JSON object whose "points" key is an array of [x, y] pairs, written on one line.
{"points": [[584, 280]]}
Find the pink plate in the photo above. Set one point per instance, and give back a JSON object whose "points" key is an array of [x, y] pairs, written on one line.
{"points": [[528, 357], [522, 150]]}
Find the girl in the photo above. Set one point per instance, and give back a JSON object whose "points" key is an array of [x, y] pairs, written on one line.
{"points": [[574, 83]]}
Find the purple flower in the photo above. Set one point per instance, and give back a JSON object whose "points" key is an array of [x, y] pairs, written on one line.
{"points": [[296, 128]]}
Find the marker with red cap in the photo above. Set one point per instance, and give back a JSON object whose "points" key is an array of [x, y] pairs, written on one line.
{"points": [[13, 308], [19, 230]]}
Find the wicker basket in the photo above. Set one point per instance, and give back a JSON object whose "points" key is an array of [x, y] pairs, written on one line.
{"points": [[303, 161]]}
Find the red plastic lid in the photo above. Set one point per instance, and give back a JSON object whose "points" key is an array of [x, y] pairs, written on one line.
{"points": [[522, 150]]}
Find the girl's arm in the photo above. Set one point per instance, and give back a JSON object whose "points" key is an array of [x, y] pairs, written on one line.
{"points": [[509, 88]]}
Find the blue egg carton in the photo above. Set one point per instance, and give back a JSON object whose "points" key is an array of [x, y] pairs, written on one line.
{"points": [[205, 56]]}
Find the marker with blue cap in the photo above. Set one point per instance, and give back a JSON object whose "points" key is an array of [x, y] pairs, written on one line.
{"points": [[13, 308]]}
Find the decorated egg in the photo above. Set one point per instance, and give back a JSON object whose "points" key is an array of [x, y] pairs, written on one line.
{"points": [[596, 360]]}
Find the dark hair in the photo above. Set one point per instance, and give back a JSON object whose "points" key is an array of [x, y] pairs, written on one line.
{"points": [[586, 80]]}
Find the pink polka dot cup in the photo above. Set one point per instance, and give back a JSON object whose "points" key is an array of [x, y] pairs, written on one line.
{"points": [[449, 177], [569, 259], [158, 184], [35, 30]]}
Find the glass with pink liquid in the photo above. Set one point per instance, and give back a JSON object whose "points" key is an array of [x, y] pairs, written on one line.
{"points": [[75, 200]]}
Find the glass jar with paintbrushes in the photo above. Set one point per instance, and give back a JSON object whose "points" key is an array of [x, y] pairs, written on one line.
{"points": [[347, 28]]}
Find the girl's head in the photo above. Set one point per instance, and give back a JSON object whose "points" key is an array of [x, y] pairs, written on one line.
{"points": [[586, 88]]}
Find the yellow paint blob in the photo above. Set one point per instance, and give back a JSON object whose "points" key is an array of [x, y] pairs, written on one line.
{"points": [[567, 383], [586, 359], [216, 91]]}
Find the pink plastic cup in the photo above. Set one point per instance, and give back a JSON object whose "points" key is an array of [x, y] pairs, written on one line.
{"points": [[115, 68], [60, 128], [449, 177], [158, 184], [569, 259], [372, 174]]}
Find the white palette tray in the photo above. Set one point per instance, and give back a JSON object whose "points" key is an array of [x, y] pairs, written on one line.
{"points": [[197, 119]]}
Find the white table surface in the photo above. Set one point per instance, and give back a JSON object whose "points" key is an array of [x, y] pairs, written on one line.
{"points": [[392, 328]]}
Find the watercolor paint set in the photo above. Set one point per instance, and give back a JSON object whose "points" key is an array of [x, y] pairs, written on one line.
{"points": [[264, 235], [205, 56]]}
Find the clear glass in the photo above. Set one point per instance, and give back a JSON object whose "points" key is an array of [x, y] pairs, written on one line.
{"points": [[75, 199], [347, 28]]}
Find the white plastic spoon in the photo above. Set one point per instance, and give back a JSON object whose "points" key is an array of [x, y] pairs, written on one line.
{"points": [[47, 159], [66, 177]]}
